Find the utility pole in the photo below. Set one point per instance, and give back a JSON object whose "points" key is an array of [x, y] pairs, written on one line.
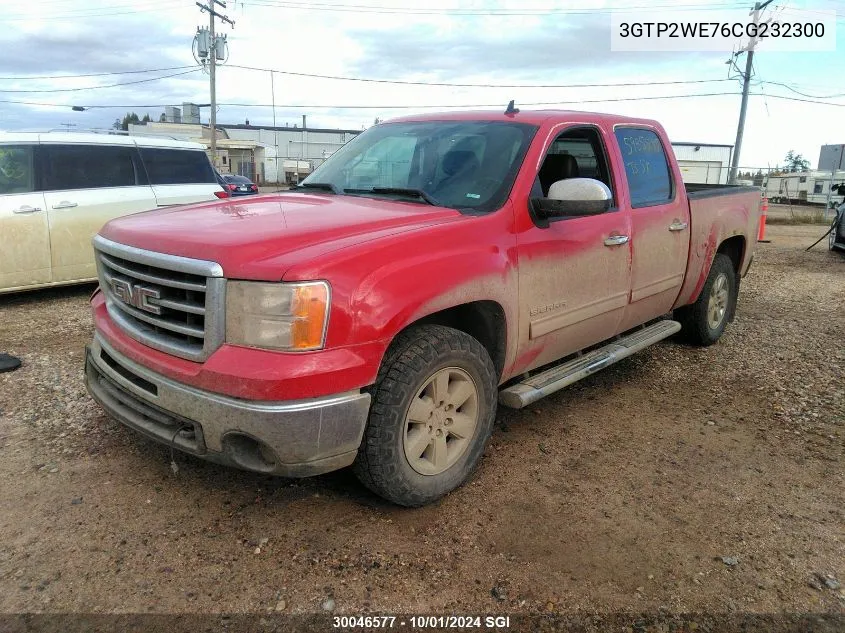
{"points": [[746, 84], [214, 50], [275, 131], [212, 74]]}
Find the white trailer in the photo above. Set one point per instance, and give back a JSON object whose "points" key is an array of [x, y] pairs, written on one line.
{"points": [[808, 187]]}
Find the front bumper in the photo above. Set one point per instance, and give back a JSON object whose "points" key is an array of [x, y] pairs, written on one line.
{"points": [[296, 438]]}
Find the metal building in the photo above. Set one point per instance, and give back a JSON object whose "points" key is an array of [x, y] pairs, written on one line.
{"points": [[266, 154], [703, 163], [832, 157], [290, 152], [190, 113]]}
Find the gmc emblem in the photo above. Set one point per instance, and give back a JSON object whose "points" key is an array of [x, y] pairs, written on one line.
{"points": [[136, 295]]}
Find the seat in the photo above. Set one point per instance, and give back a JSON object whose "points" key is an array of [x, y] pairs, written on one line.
{"points": [[557, 167], [457, 163]]}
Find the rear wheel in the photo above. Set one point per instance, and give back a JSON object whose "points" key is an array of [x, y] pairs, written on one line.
{"points": [[704, 321], [432, 413]]}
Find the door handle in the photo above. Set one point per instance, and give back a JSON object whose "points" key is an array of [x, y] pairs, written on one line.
{"points": [[26, 209], [678, 226], [616, 240], [64, 204]]}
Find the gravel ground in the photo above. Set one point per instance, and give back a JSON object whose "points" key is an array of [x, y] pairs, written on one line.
{"points": [[682, 479]]}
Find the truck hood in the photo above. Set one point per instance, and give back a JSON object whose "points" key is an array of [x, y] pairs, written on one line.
{"points": [[262, 236]]}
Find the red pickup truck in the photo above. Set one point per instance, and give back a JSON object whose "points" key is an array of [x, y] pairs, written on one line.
{"points": [[431, 268]]}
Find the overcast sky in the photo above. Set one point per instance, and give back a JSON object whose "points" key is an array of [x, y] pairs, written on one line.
{"points": [[451, 41]]}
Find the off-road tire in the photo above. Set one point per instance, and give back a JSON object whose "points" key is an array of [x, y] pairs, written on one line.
{"points": [[415, 355], [695, 325]]}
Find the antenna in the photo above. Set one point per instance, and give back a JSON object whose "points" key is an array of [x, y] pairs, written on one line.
{"points": [[510, 109]]}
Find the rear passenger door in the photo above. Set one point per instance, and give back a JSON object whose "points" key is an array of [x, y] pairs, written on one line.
{"points": [[24, 235], [85, 186], [179, 176], [659, 222]]}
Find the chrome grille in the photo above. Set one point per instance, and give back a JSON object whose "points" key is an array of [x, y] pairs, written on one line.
{"points": [[170, 303]]}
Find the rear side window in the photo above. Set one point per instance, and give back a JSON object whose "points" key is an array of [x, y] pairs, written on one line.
{"points": [[17, 173], [646, 166], [87, 167], [177, 166]]}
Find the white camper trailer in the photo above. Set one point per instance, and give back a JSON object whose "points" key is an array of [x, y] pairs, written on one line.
{"points": [[806, 187]]}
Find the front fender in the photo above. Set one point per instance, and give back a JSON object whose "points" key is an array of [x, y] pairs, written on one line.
{"points": [[381, 287]]}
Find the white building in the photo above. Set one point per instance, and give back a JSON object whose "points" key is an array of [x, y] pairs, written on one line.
{"points": [[290, 153], [704, 163], [267, 155]]}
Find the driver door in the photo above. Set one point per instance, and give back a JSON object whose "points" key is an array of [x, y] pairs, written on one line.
{"points": [[574, 274]]}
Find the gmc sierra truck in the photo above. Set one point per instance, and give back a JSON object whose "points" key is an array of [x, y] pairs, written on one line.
{"points": [[430, 269]]}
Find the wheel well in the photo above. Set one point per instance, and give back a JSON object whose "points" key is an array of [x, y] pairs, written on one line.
{"points": [[483, 320], [734, 248]]}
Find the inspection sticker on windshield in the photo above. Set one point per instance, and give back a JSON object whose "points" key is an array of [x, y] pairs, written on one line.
{"points": [[475, 196]]}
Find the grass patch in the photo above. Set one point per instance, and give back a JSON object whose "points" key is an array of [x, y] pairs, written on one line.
{"points": [[801, 217]]}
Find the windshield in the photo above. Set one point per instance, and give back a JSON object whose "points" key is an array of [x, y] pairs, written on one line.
{"points": [[458, 164]]}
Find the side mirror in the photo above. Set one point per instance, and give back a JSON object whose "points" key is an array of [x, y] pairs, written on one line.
{"points": [[571, 198]]}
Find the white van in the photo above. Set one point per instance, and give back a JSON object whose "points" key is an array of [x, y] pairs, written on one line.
{"points": [[58, 189]]}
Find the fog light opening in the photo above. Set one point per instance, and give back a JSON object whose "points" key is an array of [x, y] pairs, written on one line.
{"points": [[248, 453]]}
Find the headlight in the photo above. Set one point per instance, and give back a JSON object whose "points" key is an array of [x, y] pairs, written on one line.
{"points": [[277, 315]]}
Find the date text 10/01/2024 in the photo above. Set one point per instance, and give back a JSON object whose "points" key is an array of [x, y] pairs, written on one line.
{"points": [[421, 621]]}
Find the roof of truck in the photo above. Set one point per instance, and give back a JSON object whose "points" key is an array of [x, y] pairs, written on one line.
{"points": [[93, 138], [532, 117]]}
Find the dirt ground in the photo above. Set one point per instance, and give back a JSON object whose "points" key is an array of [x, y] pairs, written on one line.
{"points": [[682, 479]]}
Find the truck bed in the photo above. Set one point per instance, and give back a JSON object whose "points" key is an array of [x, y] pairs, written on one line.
{"points": [[718, 213], [700, 190]]}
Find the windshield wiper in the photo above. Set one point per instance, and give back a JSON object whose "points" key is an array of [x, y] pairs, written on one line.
{"points": [[323, 186], [400, 191]]}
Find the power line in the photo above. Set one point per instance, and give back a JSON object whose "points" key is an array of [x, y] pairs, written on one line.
{"points": [[104, 74], [798, 92], [425, 107], [785, 98], [788, 86], [461, 85], [86, 17], [94, 12], [359, 8], [124, 83]]}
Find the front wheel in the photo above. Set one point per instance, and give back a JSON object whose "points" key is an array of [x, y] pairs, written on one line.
{"points": [[432, 413], [704, 321]]}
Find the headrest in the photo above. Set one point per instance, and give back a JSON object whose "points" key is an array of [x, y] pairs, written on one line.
{"points": [[457, 159], [561, 165]]}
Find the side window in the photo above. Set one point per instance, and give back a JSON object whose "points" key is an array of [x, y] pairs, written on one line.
{"points": [[177, 166], [576, 153], [17, 170], [646, 166], [87, 167]]}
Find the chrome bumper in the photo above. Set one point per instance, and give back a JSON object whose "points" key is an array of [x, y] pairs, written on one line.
{"points": [[296, 438]]}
